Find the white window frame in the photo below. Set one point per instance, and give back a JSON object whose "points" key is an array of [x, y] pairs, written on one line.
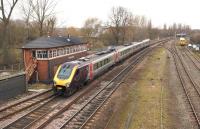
{"points": [[50, 53], [59, 52], [40, 54], [54, 53]]}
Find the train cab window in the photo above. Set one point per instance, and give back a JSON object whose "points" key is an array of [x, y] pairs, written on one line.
{"points": [[65, 71]]}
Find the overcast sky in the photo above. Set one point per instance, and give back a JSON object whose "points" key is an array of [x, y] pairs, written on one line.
{"points": [[75, 12]]}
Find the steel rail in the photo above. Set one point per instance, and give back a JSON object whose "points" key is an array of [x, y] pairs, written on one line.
{"points": [[117, 86], [13, 112], [88, 102], [30, 117], [195, 64], [68, 106], [175, 56], [20, 102]]}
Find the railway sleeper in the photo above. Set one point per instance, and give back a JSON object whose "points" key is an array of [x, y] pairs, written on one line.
{"points": [[86, 114], [92, 107], [78, 123], [81, 120]]}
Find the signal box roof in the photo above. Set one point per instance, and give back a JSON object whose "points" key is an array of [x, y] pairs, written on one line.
{"points": [[52, 42]]}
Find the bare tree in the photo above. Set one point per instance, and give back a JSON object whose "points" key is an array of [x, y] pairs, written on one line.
{"points": [[149, 30], [27, 11], [42, 10], [91, 27], [118, 23], [6, 12], [73, 31], [51, 23], [91, 31], [6, 8]]}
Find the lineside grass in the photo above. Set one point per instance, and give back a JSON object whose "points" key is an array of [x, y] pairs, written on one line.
{"points": [[141, 108]]}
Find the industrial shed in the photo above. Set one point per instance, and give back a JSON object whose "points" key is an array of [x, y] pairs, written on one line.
{"points": [[43, 56]]}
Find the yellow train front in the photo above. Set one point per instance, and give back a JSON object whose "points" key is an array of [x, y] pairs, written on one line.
{"points": [[71, 76], [182, 41], [67, 79]]}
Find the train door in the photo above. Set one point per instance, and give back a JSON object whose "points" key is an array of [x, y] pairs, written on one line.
{"points": [[82, 74], [91, 71]]}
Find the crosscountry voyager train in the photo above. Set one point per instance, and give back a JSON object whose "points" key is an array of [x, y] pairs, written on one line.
{"points": [[71, 76]]}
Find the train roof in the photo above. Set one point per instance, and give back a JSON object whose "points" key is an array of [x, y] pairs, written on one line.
{"points": [[90, 58]]}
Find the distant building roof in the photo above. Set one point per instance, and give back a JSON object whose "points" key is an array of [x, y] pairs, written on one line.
{"points": [[52, 42]]}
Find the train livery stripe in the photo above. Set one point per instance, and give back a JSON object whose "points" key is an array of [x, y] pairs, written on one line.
{"points": [[91, 71]]}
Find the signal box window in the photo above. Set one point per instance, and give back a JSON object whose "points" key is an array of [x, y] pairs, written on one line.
{"points": [[42, 54]]}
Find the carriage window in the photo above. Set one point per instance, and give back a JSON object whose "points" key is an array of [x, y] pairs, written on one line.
{"points": [[101, 63], [94, 66], [98, 65], [105, 61]]}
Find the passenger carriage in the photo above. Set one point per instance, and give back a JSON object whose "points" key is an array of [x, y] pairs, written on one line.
{"points": [[70, 76]]}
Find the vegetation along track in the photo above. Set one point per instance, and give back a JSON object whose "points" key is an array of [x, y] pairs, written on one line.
{"points": [[82, 116], [189, 86], [24, 104]]}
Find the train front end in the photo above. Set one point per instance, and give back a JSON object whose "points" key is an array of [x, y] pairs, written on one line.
{"points": [[63, 79]]}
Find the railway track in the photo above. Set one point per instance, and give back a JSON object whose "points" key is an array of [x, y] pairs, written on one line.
{"points": [[84, 114], [195, 60], [189, 86], [88, 110], [188, 58], [28, 120], [69, 106], [22, 105]]}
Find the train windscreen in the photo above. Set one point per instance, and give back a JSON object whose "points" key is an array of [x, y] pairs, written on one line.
{"points": [[65, 71]]}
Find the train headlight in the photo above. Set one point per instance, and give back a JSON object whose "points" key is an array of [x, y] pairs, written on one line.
{"points": [[54, 83], [67, 85]]}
